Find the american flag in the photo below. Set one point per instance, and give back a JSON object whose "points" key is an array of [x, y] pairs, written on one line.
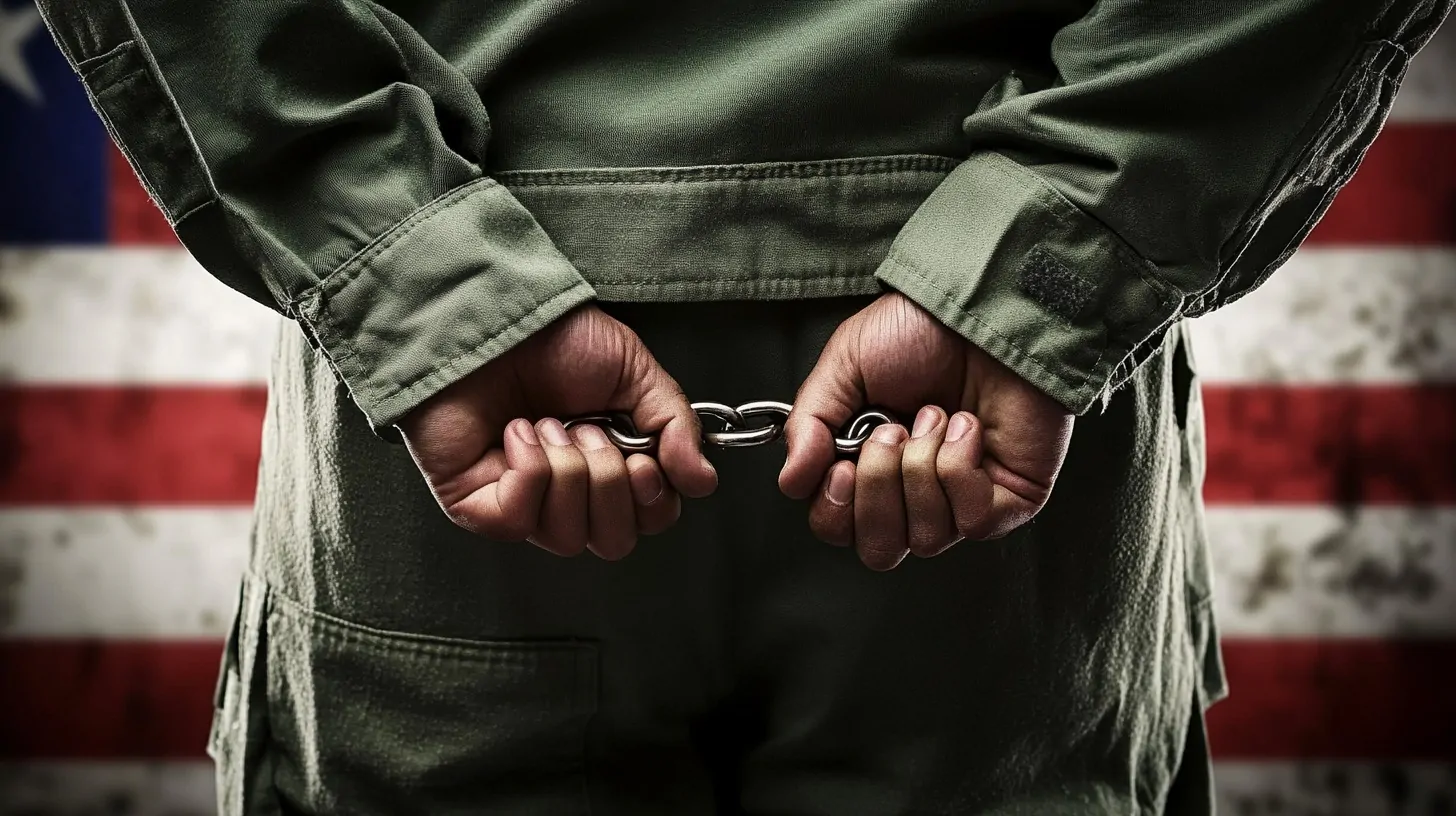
{"points": [[132, 389]]}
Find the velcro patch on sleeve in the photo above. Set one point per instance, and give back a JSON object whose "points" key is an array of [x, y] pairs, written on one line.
{"points": [[1054, 285]]}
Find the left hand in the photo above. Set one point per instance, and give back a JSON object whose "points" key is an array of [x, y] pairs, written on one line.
{"points": [[978, 473]]}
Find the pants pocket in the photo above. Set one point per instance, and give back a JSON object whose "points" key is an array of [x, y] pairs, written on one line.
{"points": [[365, 721], [238, 740]]}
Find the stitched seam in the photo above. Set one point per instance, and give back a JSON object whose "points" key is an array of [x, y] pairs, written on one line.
{"points": [[176, 109], [765, 171], [183, 216], [806, 276], [423, 643], [86, 66], [1073, 217], [349, 270], [1050, 199], [341, 345]]}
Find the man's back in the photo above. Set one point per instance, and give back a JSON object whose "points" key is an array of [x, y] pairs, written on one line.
{"points": [[988, 216]]}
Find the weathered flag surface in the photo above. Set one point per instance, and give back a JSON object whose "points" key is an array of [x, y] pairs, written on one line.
{"points": [[131, 396]]}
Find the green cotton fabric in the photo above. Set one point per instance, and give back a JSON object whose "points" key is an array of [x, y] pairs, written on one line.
{"points": [[418, 186], [387, 662]]}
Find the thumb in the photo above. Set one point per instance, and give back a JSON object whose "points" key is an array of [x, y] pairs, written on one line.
{"points": [[659, 406], [828, 398]]}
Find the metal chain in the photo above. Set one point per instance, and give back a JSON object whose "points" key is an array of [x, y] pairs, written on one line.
{"points": [[729, 427]]}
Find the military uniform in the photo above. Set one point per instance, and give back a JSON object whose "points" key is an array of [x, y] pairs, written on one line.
{"points": [[420, 185]]}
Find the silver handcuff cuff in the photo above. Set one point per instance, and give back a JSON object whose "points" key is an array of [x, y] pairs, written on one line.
{"points": [[728, 427]]}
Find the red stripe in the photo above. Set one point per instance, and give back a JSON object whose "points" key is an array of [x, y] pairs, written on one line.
{"points": [[1339, 444], [1403, 193], [1291, 699], [133, 218], [1337, 699], [106, 699], [151, 445], [173, 445]]}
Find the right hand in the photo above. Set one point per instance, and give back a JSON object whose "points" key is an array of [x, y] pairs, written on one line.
{"points": [[477, 446]]}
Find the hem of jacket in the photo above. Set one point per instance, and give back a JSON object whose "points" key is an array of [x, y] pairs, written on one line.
{"points": [[755, 231], [983, 244]]}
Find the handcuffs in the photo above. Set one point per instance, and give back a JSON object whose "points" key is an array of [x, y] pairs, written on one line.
{"points": [[728, 427]]}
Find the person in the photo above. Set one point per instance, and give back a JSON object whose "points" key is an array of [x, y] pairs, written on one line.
{"points": [[989, 218]]}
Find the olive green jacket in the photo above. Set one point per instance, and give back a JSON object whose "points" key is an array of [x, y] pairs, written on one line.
{"points": [[423, 183]]}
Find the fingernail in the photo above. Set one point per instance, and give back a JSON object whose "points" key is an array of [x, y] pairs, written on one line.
{"points": [[959, 424], [553, 432], [527, 432], [924, 422], [590, 437], [841, 487], [886, 434], [646, 482]]}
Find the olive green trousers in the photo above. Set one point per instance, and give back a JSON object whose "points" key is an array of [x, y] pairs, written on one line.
{"points": [[384, 661]]}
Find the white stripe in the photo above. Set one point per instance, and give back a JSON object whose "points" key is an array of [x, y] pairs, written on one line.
{"points": [[1336, 316], [154, 316], [1292, 571], [1304, 571], [111, 315], [1243, 788], [1428, 93], [121, 573], [1334, 788], [132, 788]]}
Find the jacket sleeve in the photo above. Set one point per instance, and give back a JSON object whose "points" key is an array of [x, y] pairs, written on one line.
{"points": [[1171, 156], [321, 158]]}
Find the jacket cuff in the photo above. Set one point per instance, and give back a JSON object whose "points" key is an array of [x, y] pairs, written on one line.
{"points": [[451, 287], [1004, 260]]}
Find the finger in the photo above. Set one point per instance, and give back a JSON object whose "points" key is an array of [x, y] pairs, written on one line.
{"points": [[659, 406], [930, 526], [826, 400], [562, 527], [511, 486], [967, 484], [879, 500], [611, 523], [657, 506], [831, 516]]}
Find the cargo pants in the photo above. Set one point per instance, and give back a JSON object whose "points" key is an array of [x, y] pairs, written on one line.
{"points": [[384, 661]]}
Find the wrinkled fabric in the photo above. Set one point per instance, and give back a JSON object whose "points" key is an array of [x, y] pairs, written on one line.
{"points": [[337, 160], [418, 186], [733, 663]]}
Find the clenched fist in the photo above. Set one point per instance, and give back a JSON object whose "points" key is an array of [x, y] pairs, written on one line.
{"points": [[501, 464], [980, 461]]}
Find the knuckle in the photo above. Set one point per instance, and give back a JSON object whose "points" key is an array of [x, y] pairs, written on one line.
{"points": [[612, 478], [877, 469], [536, 468], [920, 454]]}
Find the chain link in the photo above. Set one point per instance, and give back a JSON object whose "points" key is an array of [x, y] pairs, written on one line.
{"points": [[728, 427]]}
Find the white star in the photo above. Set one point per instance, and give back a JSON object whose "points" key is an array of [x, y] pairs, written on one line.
{"points": [[15, 27]]}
